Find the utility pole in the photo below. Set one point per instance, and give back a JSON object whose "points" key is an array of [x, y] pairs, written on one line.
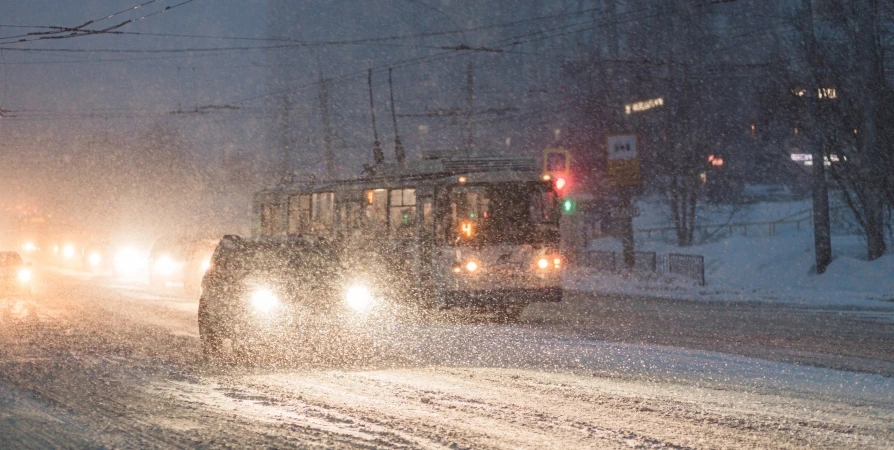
{"points": [[470, 97], [822, 233], [625, 190]]}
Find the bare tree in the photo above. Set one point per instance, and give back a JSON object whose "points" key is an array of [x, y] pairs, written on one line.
{"points": [[839, 60]]}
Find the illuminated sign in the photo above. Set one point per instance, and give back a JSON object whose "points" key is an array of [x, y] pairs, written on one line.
{"points": [[807, 159], [829, 93], [644, 105], [467, 229]]}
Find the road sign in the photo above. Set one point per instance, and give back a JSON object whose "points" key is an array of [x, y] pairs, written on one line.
{"points": [[556, 161], [623, 160]]}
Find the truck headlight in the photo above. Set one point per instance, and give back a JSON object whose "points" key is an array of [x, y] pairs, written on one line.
{"points": [[358, 298], [24, 276], [263, 300]]}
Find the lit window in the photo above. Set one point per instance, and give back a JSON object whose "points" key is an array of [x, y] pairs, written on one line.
{"points": [[829, 93], [323, 211], [270, 219], [376, 211], [402, 207], [299, 214]]}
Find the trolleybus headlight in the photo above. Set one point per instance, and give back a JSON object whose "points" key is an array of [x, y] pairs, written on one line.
{"points": [[471, 266], [24, 276], [543, 263], [358, 298], [263, 300]]}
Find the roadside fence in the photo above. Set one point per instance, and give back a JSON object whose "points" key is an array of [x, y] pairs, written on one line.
{"points": [[691, 266], [797, 221]]}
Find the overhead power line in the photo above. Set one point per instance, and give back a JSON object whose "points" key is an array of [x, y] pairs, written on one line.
{"points": [[58, 32], [495, 45], [327, 42]]}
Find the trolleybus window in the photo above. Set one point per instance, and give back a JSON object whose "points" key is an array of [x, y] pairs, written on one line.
{"points": [[376, 208], [299, 214], [403, 212], [349, 215], [323, 212], [270, 219]]}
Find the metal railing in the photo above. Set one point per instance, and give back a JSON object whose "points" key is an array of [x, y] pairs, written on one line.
{"points": [[755, 227], [603, 260], [645, 261], [691, 266]]}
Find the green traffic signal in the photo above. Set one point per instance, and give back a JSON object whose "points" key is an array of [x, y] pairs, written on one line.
{"points": [[568, 206]]}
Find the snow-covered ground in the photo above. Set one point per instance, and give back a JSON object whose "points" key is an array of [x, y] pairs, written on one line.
{"points": [[757, 267], [111, 365]]}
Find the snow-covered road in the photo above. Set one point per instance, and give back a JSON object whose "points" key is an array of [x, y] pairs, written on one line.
{"points": [[87, 362]]}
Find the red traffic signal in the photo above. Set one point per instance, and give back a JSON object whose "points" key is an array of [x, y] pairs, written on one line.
{"points": [[560, 183]]}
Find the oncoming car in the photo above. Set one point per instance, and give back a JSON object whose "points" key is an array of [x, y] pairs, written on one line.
{"points": [[262, 292], [15, 274], [180, 261]]}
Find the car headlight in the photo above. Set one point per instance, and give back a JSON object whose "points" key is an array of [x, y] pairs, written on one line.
{"points": [[543, 263], [263, 300], [25, 275], [128, 261], [359, 298], [94, 259], [68, 251], [165, 265]]}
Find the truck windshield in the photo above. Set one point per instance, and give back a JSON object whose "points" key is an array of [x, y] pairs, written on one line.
{"points": [[504, 213]]}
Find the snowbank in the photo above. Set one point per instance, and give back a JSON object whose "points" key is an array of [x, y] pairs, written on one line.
{"points": [[776, 268]]}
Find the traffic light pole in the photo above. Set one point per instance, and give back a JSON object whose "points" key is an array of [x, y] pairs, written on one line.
{"points": [[625, 195]]}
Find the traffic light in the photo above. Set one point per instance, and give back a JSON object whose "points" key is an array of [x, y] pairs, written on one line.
{"points": [[568, 206], [561, 183]]}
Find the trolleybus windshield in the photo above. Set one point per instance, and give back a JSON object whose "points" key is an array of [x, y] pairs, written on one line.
{"points": [[504, 213]]}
